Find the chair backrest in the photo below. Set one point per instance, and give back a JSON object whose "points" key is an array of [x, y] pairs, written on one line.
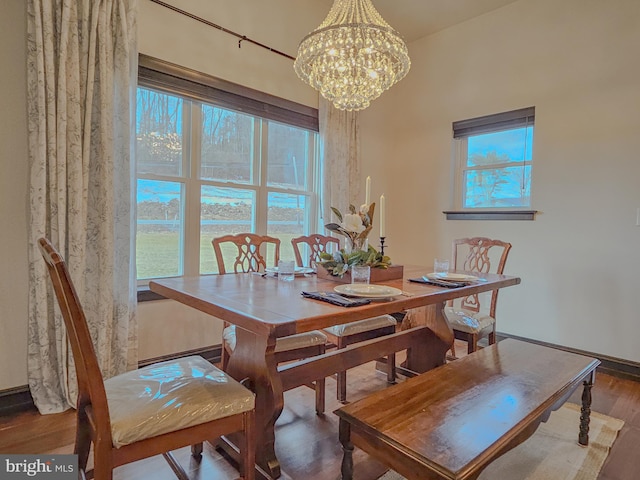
{"points": [[481, 255], [317, 244], [90, 381], [249, 257]]}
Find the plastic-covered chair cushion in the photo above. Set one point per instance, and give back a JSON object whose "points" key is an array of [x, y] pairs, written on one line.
{"points": [[362, 325], [168, 396], [283, 344], [467, 320]]}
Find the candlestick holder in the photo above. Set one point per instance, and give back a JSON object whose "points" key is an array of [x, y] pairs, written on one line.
{"points": [[382, 245]]}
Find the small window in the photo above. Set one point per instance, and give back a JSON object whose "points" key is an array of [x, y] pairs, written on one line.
{"points": [[493, 158]]}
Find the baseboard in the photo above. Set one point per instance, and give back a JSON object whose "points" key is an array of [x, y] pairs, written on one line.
{"points": [[18, 399], [15, 400], [610, 365], [211, 353]]}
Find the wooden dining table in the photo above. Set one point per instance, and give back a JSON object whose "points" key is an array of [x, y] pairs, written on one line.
{"points": [[264, 309]]}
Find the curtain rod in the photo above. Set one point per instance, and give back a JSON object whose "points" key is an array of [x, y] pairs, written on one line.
{"points": [[243, 38]]}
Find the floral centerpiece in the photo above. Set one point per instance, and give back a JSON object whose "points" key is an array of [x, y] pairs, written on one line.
{"points": [[355, 227]]}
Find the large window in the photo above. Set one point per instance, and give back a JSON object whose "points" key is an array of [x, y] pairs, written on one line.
{"points": [[493, 157], [206, 170]]}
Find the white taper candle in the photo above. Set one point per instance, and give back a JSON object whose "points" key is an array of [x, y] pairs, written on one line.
{"points": [[367, 192], [382, 215]]}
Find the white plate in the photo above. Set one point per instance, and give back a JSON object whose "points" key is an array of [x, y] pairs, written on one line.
{"points": [[452, 277], [367, 290], [297, 270]]}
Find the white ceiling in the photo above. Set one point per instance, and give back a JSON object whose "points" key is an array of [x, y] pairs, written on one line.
{"points": [[414, 19]]}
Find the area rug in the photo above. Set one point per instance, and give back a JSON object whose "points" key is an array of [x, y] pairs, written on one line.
{"points": [[553, 453]]}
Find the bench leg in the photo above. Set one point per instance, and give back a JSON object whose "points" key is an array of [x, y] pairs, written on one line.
{"points": [[472, 343], [319, 386], [341, 392], [585, 412], [391, 368], [344, 433]]}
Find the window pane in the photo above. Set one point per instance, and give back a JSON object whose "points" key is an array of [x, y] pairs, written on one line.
{"points": [[160, 227], [227, 145], [158, 133], [288, 153], [287, 217], [223, 211], [500, 147], [499, 187], [227, 168]]}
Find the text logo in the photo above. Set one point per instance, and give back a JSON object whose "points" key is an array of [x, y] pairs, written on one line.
{"points": [[50, 467]]}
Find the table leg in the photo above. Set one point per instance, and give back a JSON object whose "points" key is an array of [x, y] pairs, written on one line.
{"points": [[434, 352], [585, 411], [344, 434], [253, 358]]}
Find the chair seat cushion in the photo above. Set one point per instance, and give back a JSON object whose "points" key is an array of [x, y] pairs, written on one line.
{"points": [[362, 326], [283, 344], [168, 396], [467, 320]]}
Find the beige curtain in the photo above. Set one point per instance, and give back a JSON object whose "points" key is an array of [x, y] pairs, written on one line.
{"points": [[340, 153], [81, 70]]}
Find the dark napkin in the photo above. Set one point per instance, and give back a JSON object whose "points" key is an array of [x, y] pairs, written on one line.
{"points": [[440, 283], [336, 299]]}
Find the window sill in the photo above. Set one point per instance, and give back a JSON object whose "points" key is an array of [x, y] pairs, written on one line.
{"points": [[491, 215]]}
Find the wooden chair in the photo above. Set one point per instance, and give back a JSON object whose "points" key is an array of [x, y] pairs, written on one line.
{"points": [[469, 323], [317, 244], [124, 417], [349, 333], [250, 250]]}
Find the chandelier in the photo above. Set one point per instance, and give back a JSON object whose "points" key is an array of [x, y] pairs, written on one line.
{"points": [[353, 56]]}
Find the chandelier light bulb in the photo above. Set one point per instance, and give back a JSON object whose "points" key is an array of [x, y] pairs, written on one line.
{"points": [[353, 56]]}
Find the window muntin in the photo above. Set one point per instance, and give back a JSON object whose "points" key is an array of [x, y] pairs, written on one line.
{"points": [[493, 161], [251, 174]]}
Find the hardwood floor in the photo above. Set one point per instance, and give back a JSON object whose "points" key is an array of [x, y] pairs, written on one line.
{"points": [[307, 445]]}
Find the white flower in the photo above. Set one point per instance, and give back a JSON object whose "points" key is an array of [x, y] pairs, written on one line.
{"points": [[352, 223], [364, 209]]}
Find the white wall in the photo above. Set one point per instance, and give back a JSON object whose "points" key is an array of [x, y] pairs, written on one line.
{"points": [[165, 326], [576, 61], [280, 24], [13, 194]]}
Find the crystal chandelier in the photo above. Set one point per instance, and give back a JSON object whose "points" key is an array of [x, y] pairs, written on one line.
{"points": [[353, 56]]}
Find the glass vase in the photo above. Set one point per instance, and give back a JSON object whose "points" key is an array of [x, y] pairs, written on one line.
{"points": [[355, 245]]}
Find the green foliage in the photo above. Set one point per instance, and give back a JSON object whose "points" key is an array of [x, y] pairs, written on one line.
{"points": [[338, 264], [337, 213]]}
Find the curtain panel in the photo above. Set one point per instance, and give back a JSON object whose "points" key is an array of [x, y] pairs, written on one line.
{"points": [[340, 159], [81, 71]]}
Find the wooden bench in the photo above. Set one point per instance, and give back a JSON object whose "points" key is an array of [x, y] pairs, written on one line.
{"points": [[451, 422]]}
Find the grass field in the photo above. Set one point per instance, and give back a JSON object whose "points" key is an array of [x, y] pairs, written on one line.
{"points": [[158, 254]]}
